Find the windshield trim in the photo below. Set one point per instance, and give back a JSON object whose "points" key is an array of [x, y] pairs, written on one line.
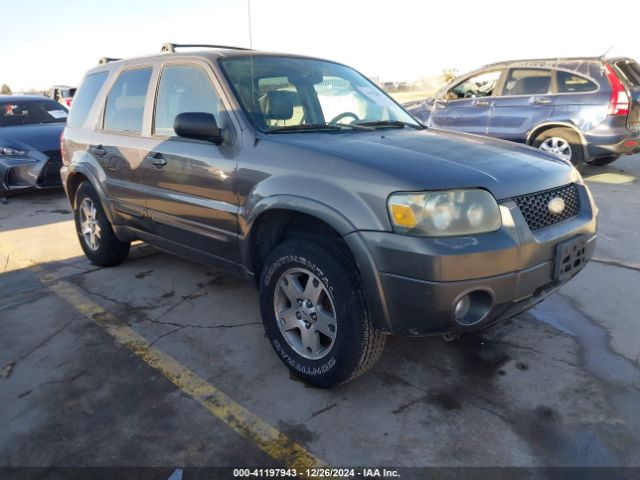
{"points": [[221, 60]]}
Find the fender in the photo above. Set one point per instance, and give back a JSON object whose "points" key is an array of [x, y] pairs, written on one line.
{"points": [[371, 281], [81, 165], [293, 203]]}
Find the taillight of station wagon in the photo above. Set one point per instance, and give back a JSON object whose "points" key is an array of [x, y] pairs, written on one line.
{"points": [[619, 102]]}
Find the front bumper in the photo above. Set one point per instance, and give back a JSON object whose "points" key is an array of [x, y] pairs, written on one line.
{"points": [[420, 280], [35, 170]]}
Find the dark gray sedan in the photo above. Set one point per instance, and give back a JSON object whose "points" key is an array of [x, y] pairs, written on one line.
{"points": [[30, 129]]}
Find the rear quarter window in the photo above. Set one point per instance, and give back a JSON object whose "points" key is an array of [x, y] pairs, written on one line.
{"points": [[572, 83], [124, 108], [83, 101]]}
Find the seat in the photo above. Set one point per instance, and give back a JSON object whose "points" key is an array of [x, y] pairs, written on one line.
{"points": [[531, 86]]}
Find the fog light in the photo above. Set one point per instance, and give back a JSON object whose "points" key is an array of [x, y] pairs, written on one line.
{"points": [[472, 308], [462, 308]]}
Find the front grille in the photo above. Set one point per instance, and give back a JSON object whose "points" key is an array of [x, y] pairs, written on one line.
{"points": [[535, 206], [50, 173]]}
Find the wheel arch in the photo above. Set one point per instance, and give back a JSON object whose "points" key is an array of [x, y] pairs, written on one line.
{"points": [[279, 213], [543, 127], [79, 174], [263, 229]]}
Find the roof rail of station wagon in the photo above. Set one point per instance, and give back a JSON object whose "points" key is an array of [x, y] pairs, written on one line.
{"points": [[104, 60], [171, 47]]}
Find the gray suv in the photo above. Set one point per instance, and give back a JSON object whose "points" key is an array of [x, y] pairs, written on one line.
{"points": [[580, 109], [352, 219]]}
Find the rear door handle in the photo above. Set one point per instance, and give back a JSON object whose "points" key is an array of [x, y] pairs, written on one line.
{"points": [[156, 159], [482, 103], [98, 151], [542, 101]]}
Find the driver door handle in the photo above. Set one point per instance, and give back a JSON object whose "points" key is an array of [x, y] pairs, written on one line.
{"points": [[542, 101], [156, 159]]}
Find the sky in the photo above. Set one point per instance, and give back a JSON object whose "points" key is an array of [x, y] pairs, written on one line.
{"points": [[45, 42]]}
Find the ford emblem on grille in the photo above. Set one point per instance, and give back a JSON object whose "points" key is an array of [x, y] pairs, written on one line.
{"points": [[556, 205]]}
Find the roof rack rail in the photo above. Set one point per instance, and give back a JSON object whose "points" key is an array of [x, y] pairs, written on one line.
{"points": [[104, 60], [171, 47]]}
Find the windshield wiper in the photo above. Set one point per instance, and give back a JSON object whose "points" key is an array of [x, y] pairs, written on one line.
{"points": [[318, 126], [389, 124]]}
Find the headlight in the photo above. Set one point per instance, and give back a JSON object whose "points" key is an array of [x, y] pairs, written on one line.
{"points": [[446, 213], [11, 152]]}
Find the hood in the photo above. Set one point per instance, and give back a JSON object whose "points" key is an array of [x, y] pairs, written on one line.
{"points": [[434, 159], [42, 137]]}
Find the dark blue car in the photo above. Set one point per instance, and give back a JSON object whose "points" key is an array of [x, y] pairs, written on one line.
{"points": [[579, 109]]}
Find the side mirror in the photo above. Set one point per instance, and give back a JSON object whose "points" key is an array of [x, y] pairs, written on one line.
{"points": [[198, 125]]}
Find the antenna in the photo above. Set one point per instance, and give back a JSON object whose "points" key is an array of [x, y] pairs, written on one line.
{"points": [[253, 87], [249, 19], [605, 53]]}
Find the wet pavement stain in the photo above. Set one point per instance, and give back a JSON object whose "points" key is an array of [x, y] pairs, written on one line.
{"points": [[298, 432], [619, 379], [144, 274]]}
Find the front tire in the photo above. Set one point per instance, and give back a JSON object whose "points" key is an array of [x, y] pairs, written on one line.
{"points": [[315, 314], [97, 239], [563, 143]]}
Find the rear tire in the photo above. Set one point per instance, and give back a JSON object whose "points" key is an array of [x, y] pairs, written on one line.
{"points": [[352, 345], [97, 239], [556, 140], [602, 161]]}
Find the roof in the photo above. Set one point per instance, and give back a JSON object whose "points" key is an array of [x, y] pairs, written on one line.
{"points": [[24, 97], [548, 60], [210, 52]]}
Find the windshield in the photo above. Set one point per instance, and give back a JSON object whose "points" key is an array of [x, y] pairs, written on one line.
{"points": [[25, 112], [281, 93]]}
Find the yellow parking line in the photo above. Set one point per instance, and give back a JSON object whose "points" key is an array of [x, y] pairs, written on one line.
{"points": [[234, 415], [266, 437]]}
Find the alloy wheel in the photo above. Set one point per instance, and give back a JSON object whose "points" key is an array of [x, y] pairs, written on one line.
{"points": [[89, 225], [305, 313], [557, 146]]}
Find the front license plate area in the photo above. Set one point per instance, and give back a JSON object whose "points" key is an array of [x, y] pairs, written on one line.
{"points": [[571, 256]]}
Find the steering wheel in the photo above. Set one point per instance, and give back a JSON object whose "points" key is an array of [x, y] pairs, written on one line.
{"points": [[337, 118]]}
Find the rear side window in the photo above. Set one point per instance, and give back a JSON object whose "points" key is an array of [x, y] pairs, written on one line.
{"points": [[124, 109], [83, 101], [571, 83], [523, 81], [183, 89]]}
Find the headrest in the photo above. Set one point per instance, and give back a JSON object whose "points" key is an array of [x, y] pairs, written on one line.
{"points": [[533, 85], [278, 105]]}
